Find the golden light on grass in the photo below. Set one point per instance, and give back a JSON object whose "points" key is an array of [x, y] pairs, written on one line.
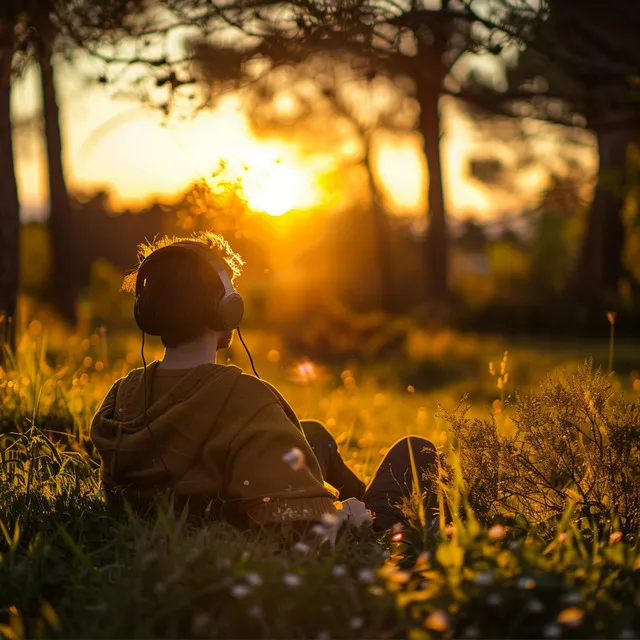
{"points": [[305, 372]]}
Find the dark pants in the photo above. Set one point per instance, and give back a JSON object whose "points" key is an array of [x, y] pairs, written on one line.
{"points": [[392, 481]]}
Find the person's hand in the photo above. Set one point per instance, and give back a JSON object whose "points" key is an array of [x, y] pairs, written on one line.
{"points": [[356, 513]]}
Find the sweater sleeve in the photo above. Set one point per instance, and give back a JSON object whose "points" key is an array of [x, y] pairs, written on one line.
{"points": [[272, 472]]}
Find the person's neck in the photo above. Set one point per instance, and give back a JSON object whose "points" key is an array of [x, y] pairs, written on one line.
{"points": [[192, 354]]}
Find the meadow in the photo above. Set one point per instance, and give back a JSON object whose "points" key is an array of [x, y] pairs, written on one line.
{"points": [[557, 559]]}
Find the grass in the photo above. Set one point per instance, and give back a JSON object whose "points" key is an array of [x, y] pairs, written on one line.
{"points": [[72, 566]]}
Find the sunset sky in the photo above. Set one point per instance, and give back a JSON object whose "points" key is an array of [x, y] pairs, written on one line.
{"points": [[118, 145]]}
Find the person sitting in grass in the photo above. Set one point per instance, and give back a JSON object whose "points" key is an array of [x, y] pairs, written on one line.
{"points": [[225, 443]]}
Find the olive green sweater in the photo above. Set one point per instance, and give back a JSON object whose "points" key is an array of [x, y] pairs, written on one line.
{"points": [[217, 439]]}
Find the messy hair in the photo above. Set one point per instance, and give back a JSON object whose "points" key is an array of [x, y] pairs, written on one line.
{"points": [[216, 243]]}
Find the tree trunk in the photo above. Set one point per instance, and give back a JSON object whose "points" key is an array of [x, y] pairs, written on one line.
{"points": [[382, 238], [9, 202], [65, 287], [436, 243], [599, 267]]}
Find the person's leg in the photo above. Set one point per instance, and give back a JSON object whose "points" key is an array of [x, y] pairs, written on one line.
{"points": [[334, 470], [393, 481]]}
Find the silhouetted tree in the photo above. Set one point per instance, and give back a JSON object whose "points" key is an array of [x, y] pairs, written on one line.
{"points": [[9, 202], [324, 101], [581, 68]]}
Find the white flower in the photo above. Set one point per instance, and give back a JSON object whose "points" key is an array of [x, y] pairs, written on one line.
{"points": [[323, 635], [552, 630], [292, 579], [628, 634], [255, 611], [253, 578], [484, 579], [294, 458], [535, 606], [572, 598], [494, 599], [200, 624], [471, 632], [356, 623], [240, 590], [339, 571], [526, 583], [367, 576], [301, 548]]}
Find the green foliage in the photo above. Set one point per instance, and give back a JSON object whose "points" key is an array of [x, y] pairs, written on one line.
{"points": [[572, 443], [72, 565]]}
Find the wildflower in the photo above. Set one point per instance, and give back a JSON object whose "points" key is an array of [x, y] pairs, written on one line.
{"points": [[494, 599], [422, 559], [571, 617], [535, 606], [497, 532], [437, 621], [484, 579], [356, 622], [376, 590], [253, 578], [327, 530], [294, 458], [572, 598], [200, 624], [301, 548], [367, 576], [240, 590], [292, 579], [339, 571], [526, 583], [562, 537], [397, 537], [611, 317], [616, 536], [399, 576], [552, 630], [449, 530], [255, 611]]}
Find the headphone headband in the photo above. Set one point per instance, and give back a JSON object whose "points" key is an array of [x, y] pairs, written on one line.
{"points": [[225, 313]]}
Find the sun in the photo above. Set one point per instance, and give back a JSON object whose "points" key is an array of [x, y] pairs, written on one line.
{"points": [[277, 186]]}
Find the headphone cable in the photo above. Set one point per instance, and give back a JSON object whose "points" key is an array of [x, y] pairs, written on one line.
{"points": [[248, 352]]}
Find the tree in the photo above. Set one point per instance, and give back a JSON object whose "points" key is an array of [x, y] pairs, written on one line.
{"points": [[406, 38], [9, 202], [580, 68], [325, 101]]}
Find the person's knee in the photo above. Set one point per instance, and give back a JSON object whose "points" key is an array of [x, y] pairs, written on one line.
{"points": [[316, 433], [421, 448]]}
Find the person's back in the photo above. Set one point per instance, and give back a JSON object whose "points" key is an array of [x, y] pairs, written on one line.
{"points": [[218, 440], [205, 432]]}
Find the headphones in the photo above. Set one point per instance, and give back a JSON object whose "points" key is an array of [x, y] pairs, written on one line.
{"points": [[224, 314]]}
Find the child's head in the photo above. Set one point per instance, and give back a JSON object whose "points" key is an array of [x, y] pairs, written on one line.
{"points": [[179, 286]]}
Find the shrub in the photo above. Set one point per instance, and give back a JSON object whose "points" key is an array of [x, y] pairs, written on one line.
{"points": [[573, 442]]}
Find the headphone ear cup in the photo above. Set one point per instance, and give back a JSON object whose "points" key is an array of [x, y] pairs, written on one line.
{"points": [[145, 320], [228, 312]]}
